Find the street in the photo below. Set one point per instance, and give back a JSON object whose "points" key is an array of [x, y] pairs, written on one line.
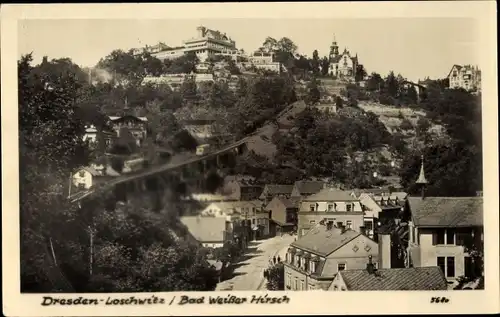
{"points": [[248, 272]]}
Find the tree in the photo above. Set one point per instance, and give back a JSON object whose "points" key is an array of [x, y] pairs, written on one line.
{"points": [[391, 85], [423, 126], [287, 45], [360, 73], [315, 63], [276, 277], [375, 82], [188, 91], [339, 102], [313, 93], [270, 45], [50, 147], [325, 65]]}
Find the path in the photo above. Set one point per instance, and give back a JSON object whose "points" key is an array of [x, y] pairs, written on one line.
{"points": [[248, 274]]}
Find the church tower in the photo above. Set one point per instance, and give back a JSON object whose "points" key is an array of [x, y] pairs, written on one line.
{"points": [[334, 49], [422, 181]]}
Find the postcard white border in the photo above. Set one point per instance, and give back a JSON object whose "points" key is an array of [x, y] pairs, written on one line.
{"points": [[311, 302]]}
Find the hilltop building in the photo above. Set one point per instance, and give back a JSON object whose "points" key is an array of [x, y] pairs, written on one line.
{"points": [[467, 77], [206, 43], [342, 65]]}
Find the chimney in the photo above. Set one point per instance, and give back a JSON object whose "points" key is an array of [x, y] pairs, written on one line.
{"points": [[370, 267], [384, 250]]}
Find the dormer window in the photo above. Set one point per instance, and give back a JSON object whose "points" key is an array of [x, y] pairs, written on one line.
{"points": [[349, 207], [330, 207], [312, 207]]}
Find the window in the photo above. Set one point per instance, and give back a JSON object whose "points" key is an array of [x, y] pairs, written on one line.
{"points": [[349, 224], [341, 267], [335, 288], [368, 225], [311, 287], [330, 207], [313, 267], [340, 224], [441, 264], [81, 186], [439, 236], [82, 174], [348, 207], [450, 236], [450, 266], [312, 207], [296, 284], [302, 286], [342, 288], [253, 221]]}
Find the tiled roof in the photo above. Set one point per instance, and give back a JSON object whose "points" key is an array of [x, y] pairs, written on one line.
{"points": [[279, 189], [402, 279], [323, 242], [206, 229], [331, 194], [309, 187], [447, 211]]}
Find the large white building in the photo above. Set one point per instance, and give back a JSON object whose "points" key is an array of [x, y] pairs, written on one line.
{"points": [[206, 43], [467, 77], [342, 65]]}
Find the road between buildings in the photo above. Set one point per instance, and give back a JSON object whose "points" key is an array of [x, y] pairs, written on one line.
{"points": [[249, 272]]}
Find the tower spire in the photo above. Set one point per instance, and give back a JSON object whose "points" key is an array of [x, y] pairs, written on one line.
{"points": [[422, 181]]}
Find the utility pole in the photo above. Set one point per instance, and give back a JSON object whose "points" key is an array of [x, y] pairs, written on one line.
{"points": [[91, 255]]}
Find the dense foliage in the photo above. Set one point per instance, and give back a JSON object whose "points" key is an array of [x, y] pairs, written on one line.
{"points": [[64, 248]]}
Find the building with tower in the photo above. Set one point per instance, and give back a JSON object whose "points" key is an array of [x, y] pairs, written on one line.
{"points": [[441, 232], [342, 65]]}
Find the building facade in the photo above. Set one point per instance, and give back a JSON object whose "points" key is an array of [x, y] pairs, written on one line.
{"points": [[270, 191], [283, 213], [313, 261], [331, 206], [211, 232], [136, 126], [342, 65], [439, 231], [467, 77]]}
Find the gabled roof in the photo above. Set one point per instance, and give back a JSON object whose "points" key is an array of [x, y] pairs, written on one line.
{"points": [[292, 202], [446, 211], [401, 279], [323, 242], [279, 189], [331, 194], [206, 229], [309, 187]]}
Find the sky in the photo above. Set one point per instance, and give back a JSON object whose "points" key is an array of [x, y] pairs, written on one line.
{"points": [[414, 47]]}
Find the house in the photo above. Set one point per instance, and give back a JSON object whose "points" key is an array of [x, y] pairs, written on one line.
{"points": [[375, 205], [399, 279], [326, 107], [283, 213], [211, 232], [246, 213], [200, 128], [241, 189], [306, 188], [333, 206], [136, 126], [88, 176], [467, 77], [313, 260], [342, 65], [91, 133], [271, 191], [440, 228]]}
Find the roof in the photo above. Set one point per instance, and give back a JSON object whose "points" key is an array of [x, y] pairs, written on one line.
{"points": [[322, 241], [115, 118], [309, 187], [331, 194], [447, 211], [279, 189], [89, 169], [206, 229], [292, 202], [400, 279]]}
